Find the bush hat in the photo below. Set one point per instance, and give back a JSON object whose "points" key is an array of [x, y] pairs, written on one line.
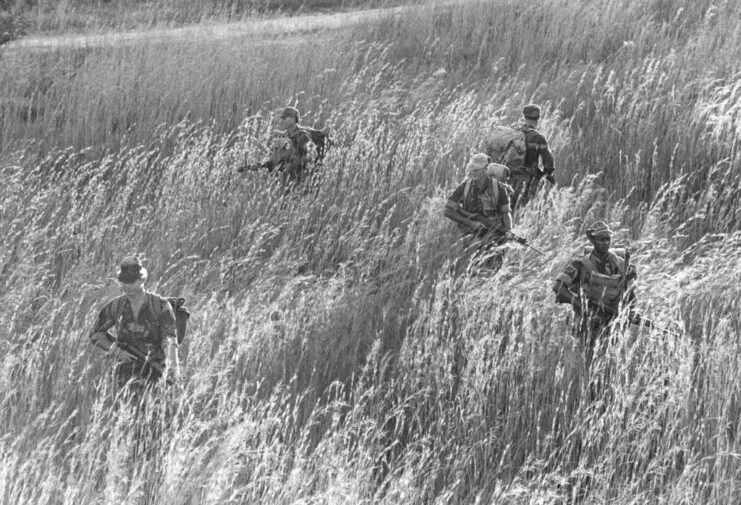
{"points": [[131, 270], [477, 162]]}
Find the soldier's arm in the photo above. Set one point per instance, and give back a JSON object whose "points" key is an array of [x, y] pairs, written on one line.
{"points": [[99, 335], [454, 212], [168, 331], [546, 156], [563, 286], [504, 207]]}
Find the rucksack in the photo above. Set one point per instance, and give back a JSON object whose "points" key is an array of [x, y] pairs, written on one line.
{"points": [[182, 314], [321, 140], [507, 146]]}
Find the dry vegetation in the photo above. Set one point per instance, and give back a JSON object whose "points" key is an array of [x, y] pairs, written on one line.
{"points": [[333, 357]]}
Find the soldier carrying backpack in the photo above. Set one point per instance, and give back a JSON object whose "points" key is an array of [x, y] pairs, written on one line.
{"points": [[149, 329], [598, 285], [302, 152], [522, 148]]}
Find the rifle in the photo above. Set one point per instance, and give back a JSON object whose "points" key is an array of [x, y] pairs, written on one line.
{"points": [[520, 240], [490, 226], [638, 319], [255, 167], [134, 354]]}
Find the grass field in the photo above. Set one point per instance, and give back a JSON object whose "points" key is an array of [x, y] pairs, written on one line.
{"points": [[333, 355]]}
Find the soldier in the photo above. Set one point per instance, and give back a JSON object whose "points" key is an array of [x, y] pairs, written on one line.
{"points": [[597, 285], [292, 150], [480, 204], [526, 179], [146, 336]]}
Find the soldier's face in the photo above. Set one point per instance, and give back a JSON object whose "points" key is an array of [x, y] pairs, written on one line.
{"points": [[132, 288], [287, 121], [601, 244], [479, 176]]}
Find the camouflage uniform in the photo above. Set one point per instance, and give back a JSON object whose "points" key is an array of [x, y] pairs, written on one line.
{"points": [[526, 180], [601, 286]]}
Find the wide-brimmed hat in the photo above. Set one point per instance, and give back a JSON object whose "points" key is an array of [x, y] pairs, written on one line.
{"points": [[131, 270], [477, 162]]}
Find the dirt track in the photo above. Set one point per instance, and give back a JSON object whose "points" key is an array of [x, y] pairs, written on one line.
{"points": [[262, 29]]}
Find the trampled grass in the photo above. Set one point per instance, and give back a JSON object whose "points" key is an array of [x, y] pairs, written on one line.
{"points": [[334, 356]]}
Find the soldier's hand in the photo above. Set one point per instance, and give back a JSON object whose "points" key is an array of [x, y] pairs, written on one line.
{"points": [[101, 340], [512, 236], [478, 227]]}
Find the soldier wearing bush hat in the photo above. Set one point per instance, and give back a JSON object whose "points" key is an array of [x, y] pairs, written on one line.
{"points": [[480, 207], [525, 180], [480, 203], [146, 336], [597, 284]]}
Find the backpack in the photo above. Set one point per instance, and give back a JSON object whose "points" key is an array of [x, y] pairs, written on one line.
{"points": [[507, 146], [182, 314], [321, 140]]}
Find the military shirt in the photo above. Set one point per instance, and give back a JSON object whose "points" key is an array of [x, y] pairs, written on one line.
{"points": [[473, 202], [536, 146], [148, 333], [574, 273]]}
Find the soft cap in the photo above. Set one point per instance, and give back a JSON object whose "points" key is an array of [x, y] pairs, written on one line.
{"points": [[598, 230], [531, 111], [290, 112]]}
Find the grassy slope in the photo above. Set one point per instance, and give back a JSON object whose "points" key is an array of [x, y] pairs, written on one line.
{"points": [[332, 349]]}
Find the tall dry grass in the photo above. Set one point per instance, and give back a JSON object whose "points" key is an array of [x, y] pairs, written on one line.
{"points": [[334, 354]]}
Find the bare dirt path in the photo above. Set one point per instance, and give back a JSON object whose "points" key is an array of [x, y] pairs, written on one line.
{"points": [[262, 28]]}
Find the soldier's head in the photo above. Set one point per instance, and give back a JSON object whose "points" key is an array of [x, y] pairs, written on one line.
{"points": [[600, 235], [498, 171], [131, 275], [476, 168], [531, 114], [289, 117]]}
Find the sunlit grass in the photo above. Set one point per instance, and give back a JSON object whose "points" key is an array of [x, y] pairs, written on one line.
{"points": [[333, 355]]}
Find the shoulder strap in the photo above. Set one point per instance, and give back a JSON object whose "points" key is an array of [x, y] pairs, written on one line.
{"points": [[117, 306], [152, 302], [587, 267], [466, 191], [495, 190]]}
